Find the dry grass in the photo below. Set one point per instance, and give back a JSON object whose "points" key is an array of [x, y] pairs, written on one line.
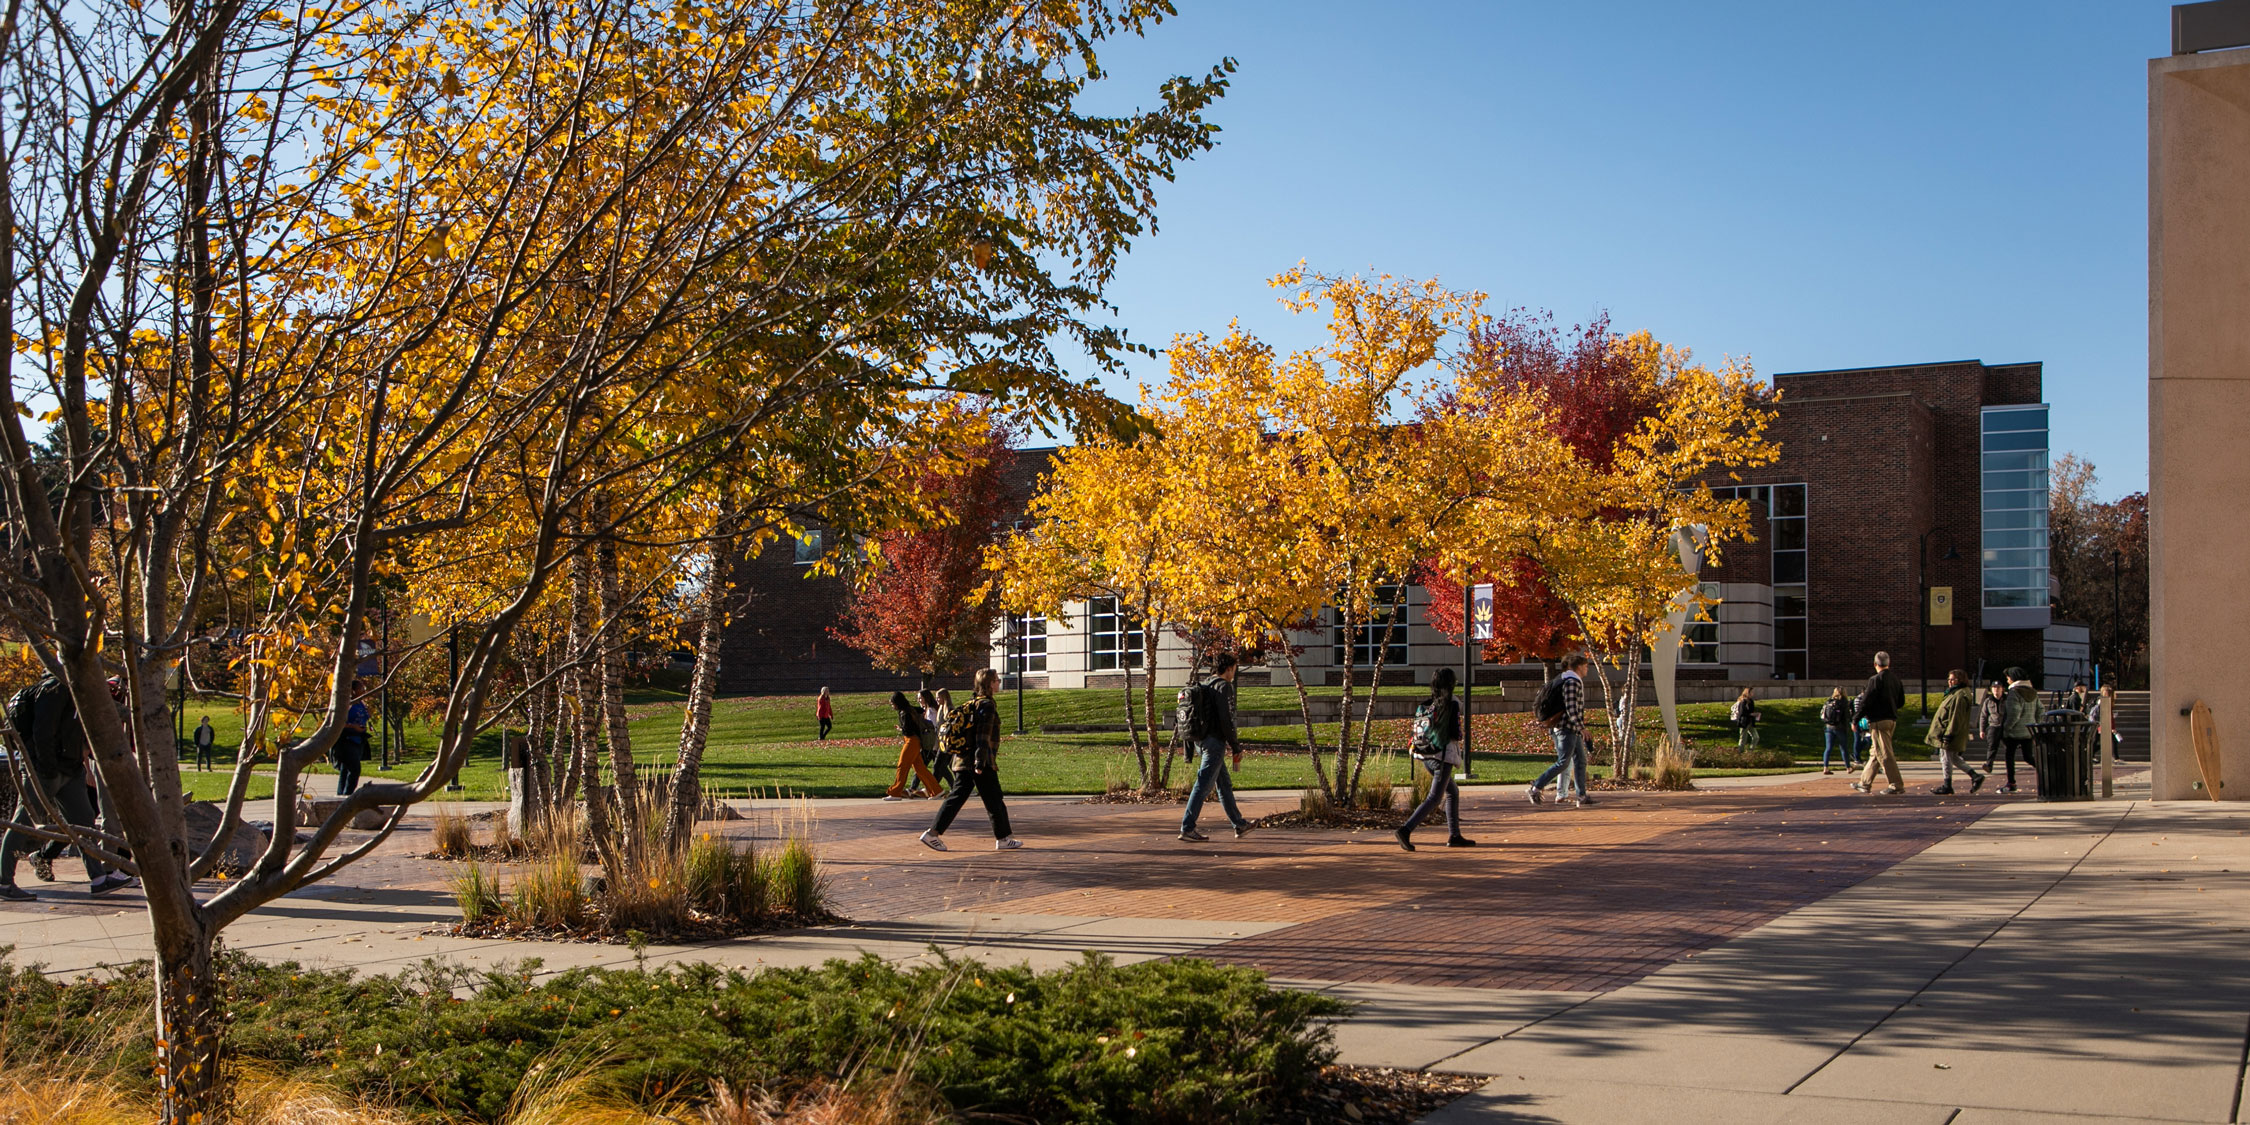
{"points": [[478, 894], [1674, 770], [1377, 790], [550, 895], [1315, 805], [450, 833]]}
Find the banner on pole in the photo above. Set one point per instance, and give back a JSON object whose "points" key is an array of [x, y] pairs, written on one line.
{"points": [[1480, 612]]}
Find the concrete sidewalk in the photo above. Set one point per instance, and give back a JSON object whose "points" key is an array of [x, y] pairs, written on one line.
{"points": [[2050, 963]]}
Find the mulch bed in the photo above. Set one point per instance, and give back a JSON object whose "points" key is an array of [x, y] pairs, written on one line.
{"points": [[1369, 1095], [598, 931], [1352, 820], [1637, 785], [1139, 797]]}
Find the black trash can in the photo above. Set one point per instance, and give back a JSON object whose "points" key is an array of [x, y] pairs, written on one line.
{"points": [[2062, 751]]}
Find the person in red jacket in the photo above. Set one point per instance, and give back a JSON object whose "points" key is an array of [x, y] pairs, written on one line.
{"points": [[825, 711]]}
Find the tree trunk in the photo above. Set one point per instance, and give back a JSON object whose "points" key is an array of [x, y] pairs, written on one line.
{"points": [[1304, 707], [695, 728], [190, 1033], [1375, 694], [1133, 727], [1623, 735], [624, 777], [1351, 622]]}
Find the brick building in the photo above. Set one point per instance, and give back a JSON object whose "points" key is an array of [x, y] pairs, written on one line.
{"points": [[1883, 471]]}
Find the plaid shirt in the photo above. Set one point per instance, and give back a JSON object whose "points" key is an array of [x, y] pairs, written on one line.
{"points": [[1573, 705]]}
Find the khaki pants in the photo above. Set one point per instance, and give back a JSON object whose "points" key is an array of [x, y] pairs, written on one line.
{"points": [[1881, 754]]}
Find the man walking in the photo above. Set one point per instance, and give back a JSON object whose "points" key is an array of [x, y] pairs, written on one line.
{"points": [[1211, 715], [351, 747], [1879, 702], [1561, 706], [204, 738], [1949, 731], [1992, 720], [47, 731]]}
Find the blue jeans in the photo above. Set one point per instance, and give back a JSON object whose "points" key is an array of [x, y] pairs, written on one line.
{"points": [[1570, 759], [1212, 771], [1442, 787], [1837, 741]]}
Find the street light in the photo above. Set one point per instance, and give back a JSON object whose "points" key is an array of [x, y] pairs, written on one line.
{"points": [[1922, 614]]}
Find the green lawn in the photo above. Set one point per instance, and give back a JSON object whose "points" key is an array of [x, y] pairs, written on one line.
{"points": [[766, 744]]}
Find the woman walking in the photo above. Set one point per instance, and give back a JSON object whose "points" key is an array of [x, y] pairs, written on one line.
{"points": [[824, 709], [919, 739], [943, 763], [1439, 751], [1745, 721], [934, 751], [979, 770], [1836, 734]]}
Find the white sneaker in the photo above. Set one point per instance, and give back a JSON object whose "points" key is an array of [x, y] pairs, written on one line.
{"points": [[889, 797], [1009, 844], [932, 842]]}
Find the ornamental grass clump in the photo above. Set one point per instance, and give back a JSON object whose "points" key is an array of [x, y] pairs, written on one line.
{"points": [[550, 895], [796, 882], [450, 834], [477, 892], [1378, 787]]}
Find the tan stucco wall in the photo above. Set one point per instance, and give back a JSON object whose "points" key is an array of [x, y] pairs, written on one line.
{"points": [[2199, 411]]}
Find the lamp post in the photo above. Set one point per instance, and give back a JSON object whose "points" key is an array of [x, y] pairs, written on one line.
{"points": [[2116, 607], [1922, 613]]}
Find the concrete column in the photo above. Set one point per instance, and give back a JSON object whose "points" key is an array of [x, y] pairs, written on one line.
{"points": [[2199, 411]]}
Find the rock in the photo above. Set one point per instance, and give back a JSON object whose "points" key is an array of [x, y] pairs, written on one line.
{"points": [[240, 850], [718, 810], [312, 812]]}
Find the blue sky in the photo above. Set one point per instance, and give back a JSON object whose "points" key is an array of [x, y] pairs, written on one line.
{"points": [[1811, 185]]}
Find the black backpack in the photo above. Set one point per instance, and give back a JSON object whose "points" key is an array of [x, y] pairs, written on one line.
{"points": [[1549, 706], [46, 722], [1191, 713]]}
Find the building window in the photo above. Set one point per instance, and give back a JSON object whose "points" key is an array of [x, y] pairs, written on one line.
{"points": [[810, 546], [1026, 644], [1701, 645], [1115, 636], [2015, 517], [1386, 626], [1788, 535]]}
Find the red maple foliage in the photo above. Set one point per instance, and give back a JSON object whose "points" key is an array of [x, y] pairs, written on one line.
{"points": [[920, 612], [1528, 621], [1594, 399]]}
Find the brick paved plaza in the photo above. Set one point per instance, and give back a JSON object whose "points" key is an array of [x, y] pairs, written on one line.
{"points": [[1773, 949]]}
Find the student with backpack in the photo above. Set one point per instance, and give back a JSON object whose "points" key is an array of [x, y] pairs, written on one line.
{"points": [[933, 752], [1745, 721], [1439, 748], [1949, 731], [1836, 733], [972, 735], [917, 738], [45, 719], [1206, 718], [1561, 708]]}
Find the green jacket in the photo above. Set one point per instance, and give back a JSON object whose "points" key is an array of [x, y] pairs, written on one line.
{"points": [[2022, 703], [1956, 715]]}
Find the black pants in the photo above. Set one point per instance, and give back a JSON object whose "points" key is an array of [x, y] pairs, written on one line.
{"points": [[71, 798], [203, 755], [986, 784], [824, 725], [1442, 788], [347, 776], [2009, 748]]}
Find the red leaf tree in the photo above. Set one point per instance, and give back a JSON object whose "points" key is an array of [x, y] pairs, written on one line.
{"points": [[1529, 622], [923, 608]]}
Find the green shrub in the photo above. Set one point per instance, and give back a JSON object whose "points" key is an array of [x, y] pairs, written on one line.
{"points": [[1157, 1043], [1733, 758], [795, 881], [477, 892]]}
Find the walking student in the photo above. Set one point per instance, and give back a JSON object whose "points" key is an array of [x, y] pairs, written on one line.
{"points": [[2020, 706], [1745, 721], [1879, 703], [1439, 750], [1949, 731], [975, 737], [350, 749], [46, 723], [1561, 707], [1836, 734], [1992, 720], [917, 739], [934, 714], [204, 738], [824, 709], [1211, 727]]}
